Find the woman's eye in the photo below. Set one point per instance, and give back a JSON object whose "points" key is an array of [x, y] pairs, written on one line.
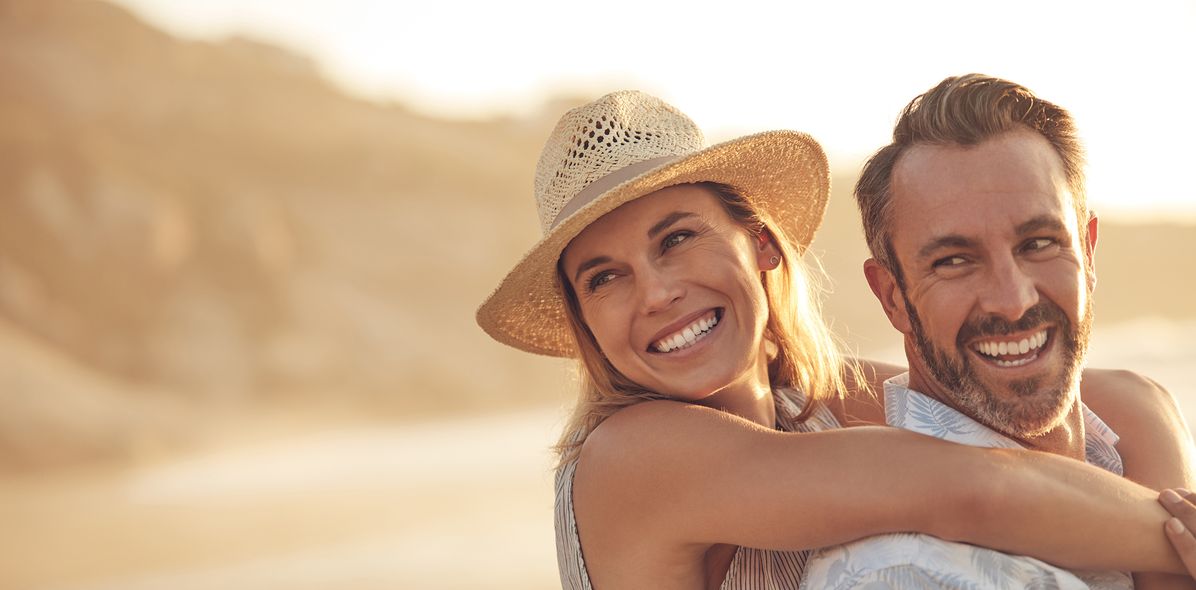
{"points": [[675, 238], [599, 279]]}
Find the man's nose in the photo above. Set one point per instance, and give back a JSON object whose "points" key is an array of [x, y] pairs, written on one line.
{"points": [[659, 289], [1009, 291]]}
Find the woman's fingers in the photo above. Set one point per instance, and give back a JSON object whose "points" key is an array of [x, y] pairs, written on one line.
{"points": [[1180, 503]]}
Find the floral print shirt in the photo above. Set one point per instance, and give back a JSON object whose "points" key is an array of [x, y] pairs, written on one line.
{"points": [[910, 560]]}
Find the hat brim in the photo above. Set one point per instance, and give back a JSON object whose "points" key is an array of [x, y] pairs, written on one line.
{"points": [[783, 174]]}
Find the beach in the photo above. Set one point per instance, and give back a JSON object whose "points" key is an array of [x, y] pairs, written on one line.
{"points": [[435, 504]]}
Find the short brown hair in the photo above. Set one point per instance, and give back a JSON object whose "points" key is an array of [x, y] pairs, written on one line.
{"points": [[964, 110]]}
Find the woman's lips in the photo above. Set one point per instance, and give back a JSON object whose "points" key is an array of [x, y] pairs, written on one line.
{"points": [[690, 331]]}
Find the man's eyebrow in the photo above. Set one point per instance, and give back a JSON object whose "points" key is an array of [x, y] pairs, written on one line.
{"points": [[587, 265], [668, 220], [947, 241], [1047, 222]]}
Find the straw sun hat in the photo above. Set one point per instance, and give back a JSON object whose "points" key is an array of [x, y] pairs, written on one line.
{"points": [[621, 147]]}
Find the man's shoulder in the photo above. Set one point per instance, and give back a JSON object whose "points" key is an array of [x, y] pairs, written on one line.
{"points": [[1155, 444], [1121, 396]]}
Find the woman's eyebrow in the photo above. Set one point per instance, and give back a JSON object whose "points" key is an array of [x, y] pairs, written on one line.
{"points": [[587, 265], [669, 219]]}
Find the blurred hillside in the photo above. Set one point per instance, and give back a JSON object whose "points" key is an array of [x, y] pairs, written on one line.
{"points": [[190, 225]]}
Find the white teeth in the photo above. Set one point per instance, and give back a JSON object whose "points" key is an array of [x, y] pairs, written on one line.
{"points": [[687, 336], [1020, 347], [1016, 363]]}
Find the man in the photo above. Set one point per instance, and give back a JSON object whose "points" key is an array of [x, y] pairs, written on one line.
{"points": [[982, 250]]}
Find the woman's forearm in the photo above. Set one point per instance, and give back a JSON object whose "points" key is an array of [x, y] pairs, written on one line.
{"points": [[1089, 501], [1025, 502], [663, 474], [1064, 512]]}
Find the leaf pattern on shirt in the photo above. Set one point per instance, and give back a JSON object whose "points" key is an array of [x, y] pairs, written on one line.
{"points": [[908, 560], [938, 420]]}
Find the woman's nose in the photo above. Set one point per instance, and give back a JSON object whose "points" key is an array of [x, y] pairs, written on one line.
{"points": [[659, 290]]}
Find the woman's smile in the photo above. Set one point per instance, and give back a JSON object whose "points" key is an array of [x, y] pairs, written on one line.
{"points": [[689, 334], [658, 280]]}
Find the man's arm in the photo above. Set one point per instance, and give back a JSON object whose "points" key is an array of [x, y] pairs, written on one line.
{"points": [[1156, 446]]}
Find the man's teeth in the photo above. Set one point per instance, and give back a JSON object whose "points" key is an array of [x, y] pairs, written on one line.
{"points": [[685, 337], [1023, 346]]}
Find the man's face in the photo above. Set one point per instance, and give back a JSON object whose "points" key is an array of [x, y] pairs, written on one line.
{"points": [[996, 304]]}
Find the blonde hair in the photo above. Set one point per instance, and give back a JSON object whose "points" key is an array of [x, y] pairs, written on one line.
{"points": [[807, 355], [964, 110]]}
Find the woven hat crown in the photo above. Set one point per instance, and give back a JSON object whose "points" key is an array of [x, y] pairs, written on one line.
{"points": [[618, 130]]}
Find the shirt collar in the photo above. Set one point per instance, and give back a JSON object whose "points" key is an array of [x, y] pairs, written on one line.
{"points": [[913, 410]]}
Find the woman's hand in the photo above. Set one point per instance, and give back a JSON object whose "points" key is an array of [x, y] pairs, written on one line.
{"points": [[1180, 503]]}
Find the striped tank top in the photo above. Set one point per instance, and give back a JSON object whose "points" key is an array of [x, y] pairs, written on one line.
{"points": [[751, 569]]}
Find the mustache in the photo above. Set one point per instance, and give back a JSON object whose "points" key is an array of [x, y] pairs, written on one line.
{"points": [[1043, 312]]}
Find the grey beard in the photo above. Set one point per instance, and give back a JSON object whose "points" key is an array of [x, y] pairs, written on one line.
{"points": [[1037, 406]]}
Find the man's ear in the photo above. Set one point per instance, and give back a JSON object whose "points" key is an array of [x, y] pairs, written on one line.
{"points": [[1090, 251], [884, 286]]}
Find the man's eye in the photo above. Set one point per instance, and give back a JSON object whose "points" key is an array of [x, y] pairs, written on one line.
{"points": [[599, 279], [1038, 244], [675, 238], [949, 261]]}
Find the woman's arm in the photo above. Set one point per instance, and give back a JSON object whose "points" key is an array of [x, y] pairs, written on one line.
{"points": [[1155, 443], [665, 481]]}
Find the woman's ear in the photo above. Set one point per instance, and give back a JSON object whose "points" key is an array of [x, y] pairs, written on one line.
{"points": [[768, 256]]}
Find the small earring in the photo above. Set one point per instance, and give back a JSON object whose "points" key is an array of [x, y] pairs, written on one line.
{"points": [[775, 260]]}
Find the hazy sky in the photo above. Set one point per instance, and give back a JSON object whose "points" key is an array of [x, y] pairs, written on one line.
{"points": [[839, 70]]}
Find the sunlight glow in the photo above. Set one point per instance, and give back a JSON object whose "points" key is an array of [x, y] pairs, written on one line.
{"points": [[840, 71]]}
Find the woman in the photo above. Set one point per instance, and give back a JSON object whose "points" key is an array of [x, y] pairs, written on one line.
{"points": [[705, 449]]}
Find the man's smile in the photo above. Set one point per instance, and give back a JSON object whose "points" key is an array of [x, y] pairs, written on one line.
{"points": [[1009, 352]]}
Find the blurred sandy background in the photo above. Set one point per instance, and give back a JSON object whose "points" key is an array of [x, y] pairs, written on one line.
{"points": [[237, 346]]}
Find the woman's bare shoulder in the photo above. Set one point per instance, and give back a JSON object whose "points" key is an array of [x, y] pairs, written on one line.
{"points": [[654, 431], [633, 472]]}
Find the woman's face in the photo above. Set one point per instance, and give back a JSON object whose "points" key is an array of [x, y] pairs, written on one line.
{"points": [[670, 286]]}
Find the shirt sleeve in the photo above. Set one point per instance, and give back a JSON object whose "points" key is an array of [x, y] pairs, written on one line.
{"points": [[909, 560]]}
